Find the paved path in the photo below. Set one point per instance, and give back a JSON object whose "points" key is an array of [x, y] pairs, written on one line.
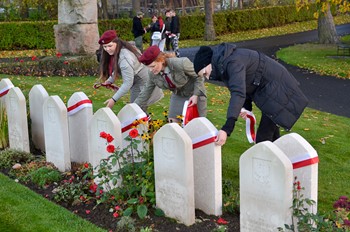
{"points": [[325, 93]]}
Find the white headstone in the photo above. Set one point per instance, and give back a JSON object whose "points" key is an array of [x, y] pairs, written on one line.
{"points": [[56, 133], [207, 166], [305, 164], [104, 120], [132, 116], [266, 188], [5, 86], [17, 120], [79, 108], [173, 167], [37, 97]]}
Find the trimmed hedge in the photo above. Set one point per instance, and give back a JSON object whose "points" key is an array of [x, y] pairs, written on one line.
{"points": [[40, 35]]}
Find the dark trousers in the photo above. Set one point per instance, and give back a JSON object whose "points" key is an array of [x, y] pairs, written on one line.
{"points": [[267, 130]]}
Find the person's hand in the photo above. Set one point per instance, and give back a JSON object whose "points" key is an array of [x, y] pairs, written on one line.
{"points": [[110, 103], [193, 100], [243, 115], [221, 138]]}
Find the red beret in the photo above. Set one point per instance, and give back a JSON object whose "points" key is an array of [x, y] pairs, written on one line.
{"points": [[149, 55], [107, 37]]}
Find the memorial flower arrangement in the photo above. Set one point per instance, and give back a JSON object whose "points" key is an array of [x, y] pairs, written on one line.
{"points": [[125, 178]]}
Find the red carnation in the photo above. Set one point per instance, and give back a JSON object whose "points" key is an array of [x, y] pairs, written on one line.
{"points": [[133, 133], [221, 221]]}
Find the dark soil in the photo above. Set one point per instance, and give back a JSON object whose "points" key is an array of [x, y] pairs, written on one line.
{"points": [[101, 216]]}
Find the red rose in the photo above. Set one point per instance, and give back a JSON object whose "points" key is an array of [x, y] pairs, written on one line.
{"points": [[86, 165], [109, 138], [33, 58], [93, 187], [133, 133], [110, 148], [115, 215], [58, 55], [103, 134]]}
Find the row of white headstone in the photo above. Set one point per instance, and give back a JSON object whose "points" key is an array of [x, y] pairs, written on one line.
{"points": [[187, 162]]}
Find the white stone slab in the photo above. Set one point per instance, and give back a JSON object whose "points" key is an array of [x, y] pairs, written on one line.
{"points": [[56, 133], [37, 97], [173, 167], [77, 12], [17, 120], [132, 116], [5, 86], [305, 164], [266, 188], [104, 120], [207, 166], [79, 108]]}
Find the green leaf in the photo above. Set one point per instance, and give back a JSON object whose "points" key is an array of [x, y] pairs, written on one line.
{"points": [[142, 211], [158, 212], [128, 211], [133, 201]]}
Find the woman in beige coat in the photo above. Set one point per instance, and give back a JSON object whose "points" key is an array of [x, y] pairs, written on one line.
{"points": [[177, 75]]}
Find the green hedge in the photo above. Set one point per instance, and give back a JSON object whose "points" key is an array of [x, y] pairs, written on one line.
{"points": [[40, 35]]}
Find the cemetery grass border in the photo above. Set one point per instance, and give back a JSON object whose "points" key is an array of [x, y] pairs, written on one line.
{"points": [[322, 130]]}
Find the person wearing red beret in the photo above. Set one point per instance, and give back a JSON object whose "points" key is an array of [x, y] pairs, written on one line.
{"points": [[177, 75], [120, 59]]}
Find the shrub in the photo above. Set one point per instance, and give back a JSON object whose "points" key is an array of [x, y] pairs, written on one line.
{"points": [[10, 157], [45, 175]]}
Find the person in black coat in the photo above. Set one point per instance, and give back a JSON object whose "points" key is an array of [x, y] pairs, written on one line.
{"points": [[138, 30], [250, 77]]}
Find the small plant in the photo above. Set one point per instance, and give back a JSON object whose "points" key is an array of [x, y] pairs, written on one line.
{"points": [[305, 221], [126, 223], [230, 197], [77, 188], [45, 175], [23, 173], [10, 157]]}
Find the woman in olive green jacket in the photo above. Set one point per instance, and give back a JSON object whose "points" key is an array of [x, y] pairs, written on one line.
{"points": [[177, 75]]}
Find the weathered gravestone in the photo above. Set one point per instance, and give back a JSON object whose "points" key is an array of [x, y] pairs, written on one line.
{"points": [[104, 120], [305, 164], [79, 108], [266, 187], [77, 29], [17, 120], [173, 167], [132, 116], [207, 166], [5, 86], [37, 97], [56, 133]]}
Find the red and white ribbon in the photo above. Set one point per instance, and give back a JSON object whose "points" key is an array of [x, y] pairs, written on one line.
{"points": [[79, 106], [204, 139], [304, 160], [131, 123], [5, 90], [250, 125]]}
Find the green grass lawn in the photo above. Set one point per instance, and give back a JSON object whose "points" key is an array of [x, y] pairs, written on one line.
{"points": [[22, 210], [328, 134]]}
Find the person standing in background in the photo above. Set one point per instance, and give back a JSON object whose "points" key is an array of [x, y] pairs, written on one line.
{"points": [[138, 30], [175, 32], [167, 29]]}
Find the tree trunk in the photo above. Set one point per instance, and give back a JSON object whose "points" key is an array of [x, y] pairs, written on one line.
{"points": [[104, 9], [209, 33], [327, 33], [136, 5]]}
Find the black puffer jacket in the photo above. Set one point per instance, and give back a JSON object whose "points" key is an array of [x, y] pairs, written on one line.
{"points": [[250, 75]]}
